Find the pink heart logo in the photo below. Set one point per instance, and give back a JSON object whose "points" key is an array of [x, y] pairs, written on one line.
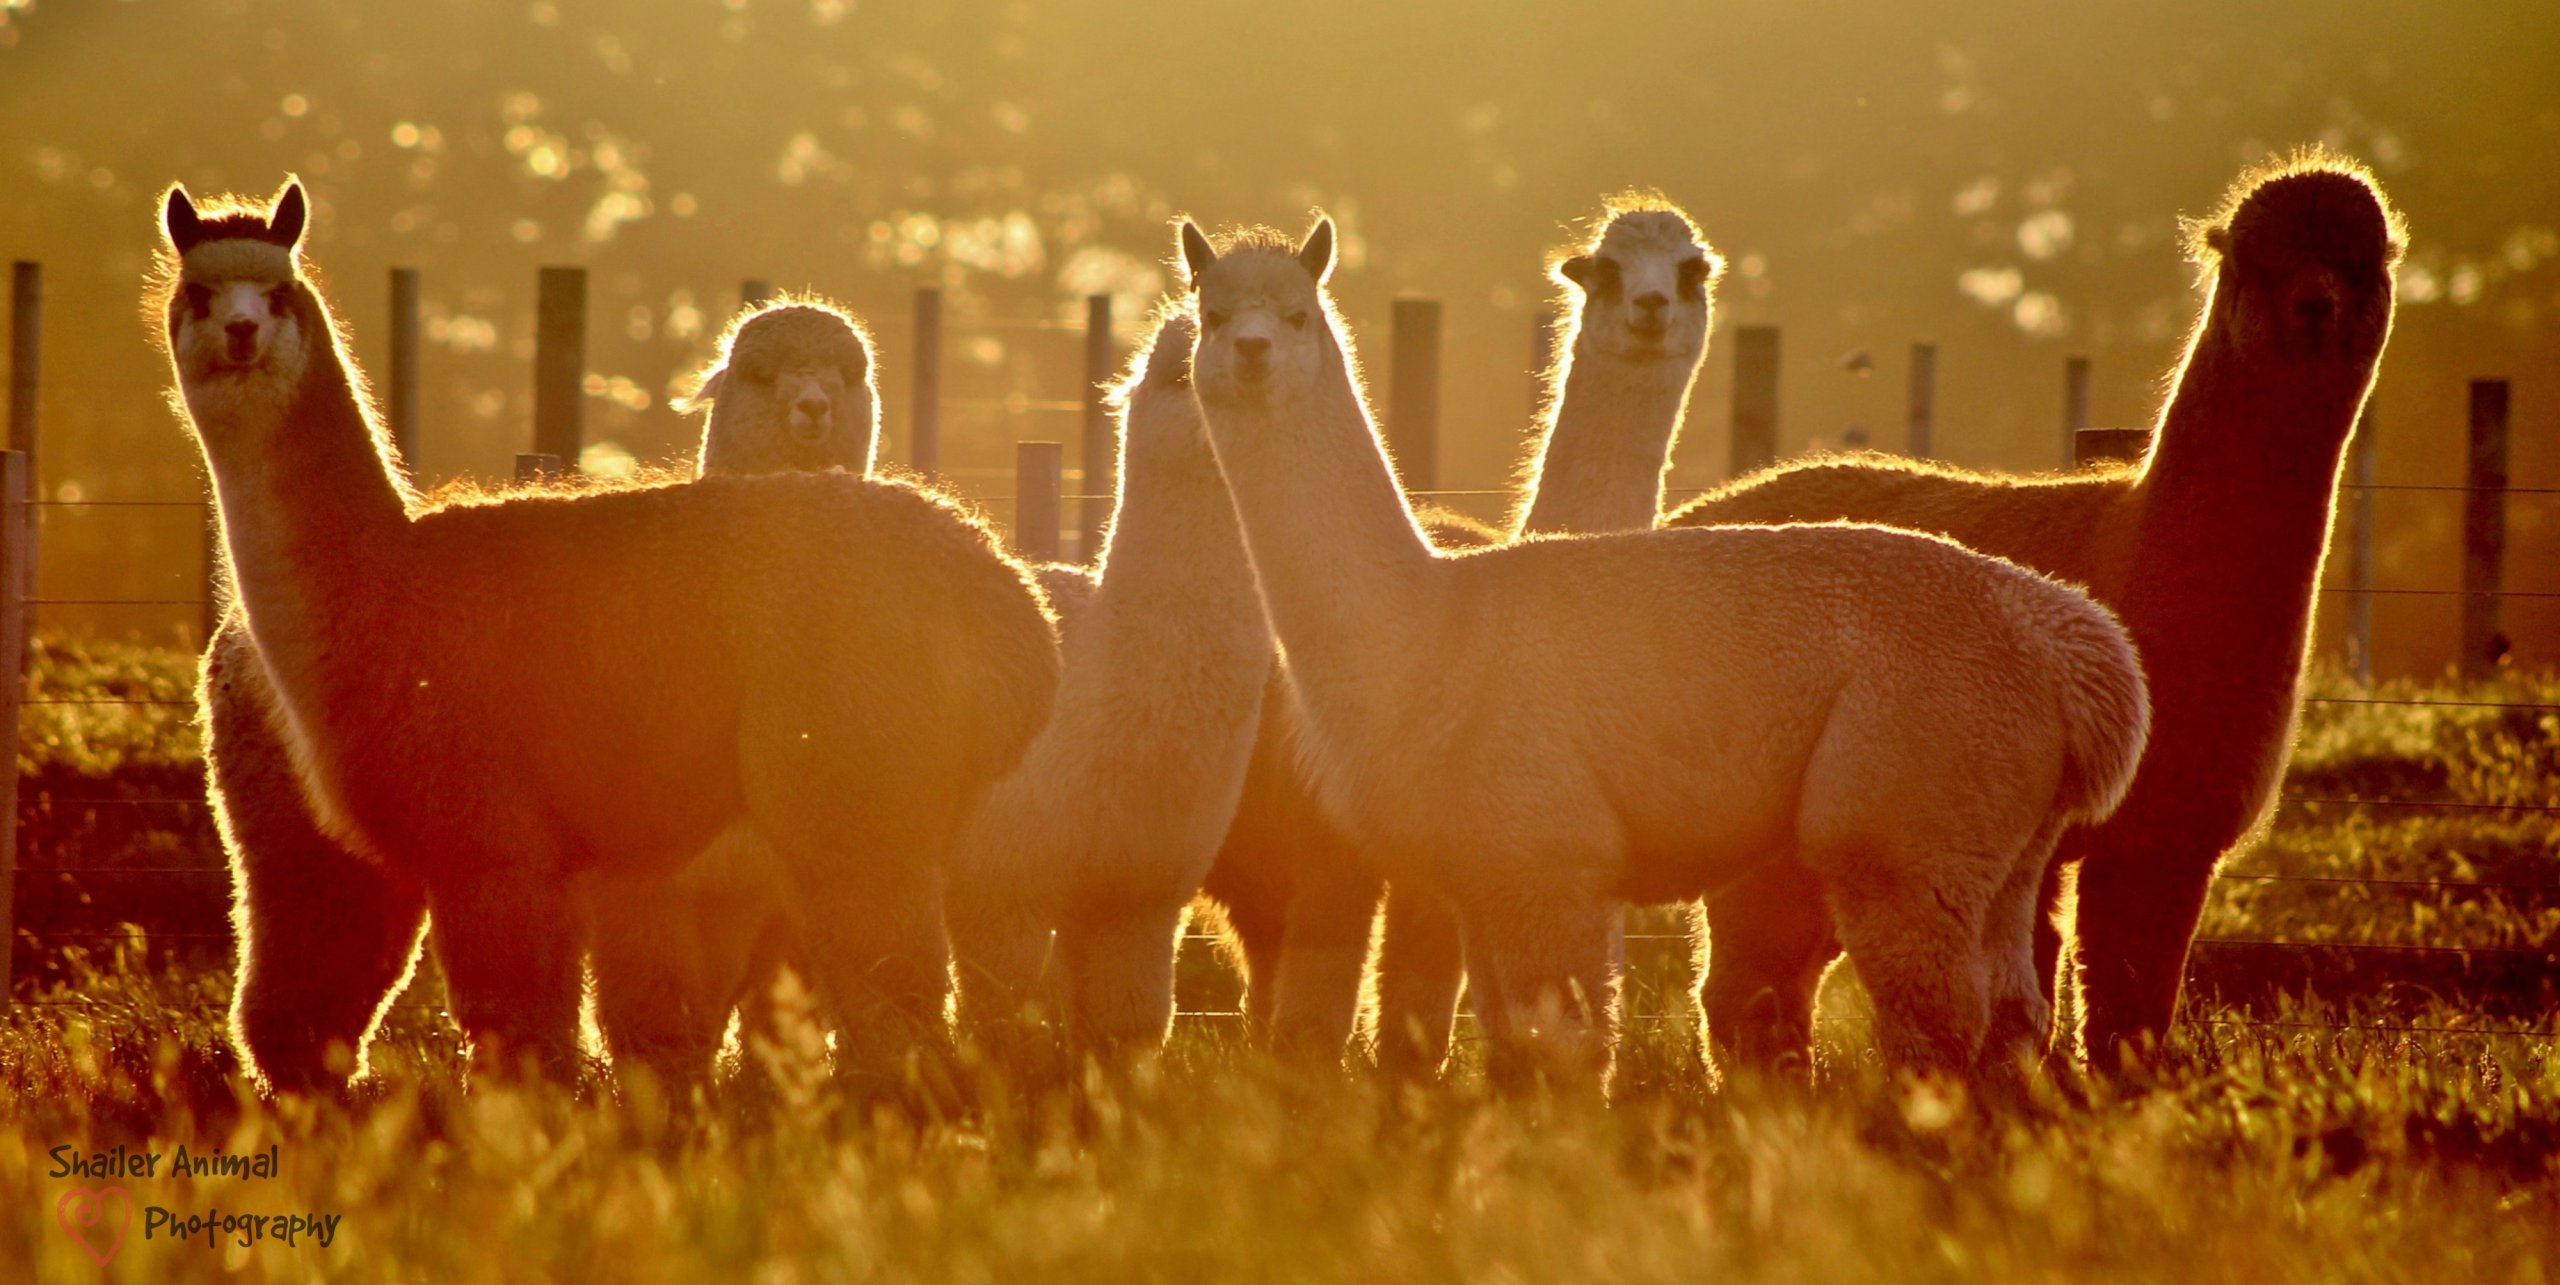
{"points": [[81, 1208]]}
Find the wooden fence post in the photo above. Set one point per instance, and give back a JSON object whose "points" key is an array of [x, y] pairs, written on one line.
{"points": [[1755, 400], [2075, 404], [1922, 442], [14, 550], [1038, 470], [1101, 467], [1413, 397], [400, 392], [560, 364], [2484, 530], [2092, 445], [2360, 549], [924, 428], [26, 361], [536, 467], [753, 291]]}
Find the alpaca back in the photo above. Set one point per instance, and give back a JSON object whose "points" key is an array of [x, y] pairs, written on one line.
{"points": [[2066, 525]]}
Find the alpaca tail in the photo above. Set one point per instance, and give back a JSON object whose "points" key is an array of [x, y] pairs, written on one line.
{"points": [[2106, 705]]}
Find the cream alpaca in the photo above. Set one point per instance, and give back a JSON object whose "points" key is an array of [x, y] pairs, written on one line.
{"points": [[490, 700], [1106, 829], [2209, 549], [1540, 732]]}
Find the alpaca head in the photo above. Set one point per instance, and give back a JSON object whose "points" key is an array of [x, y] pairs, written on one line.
{"points": [[1644, 284], [2302, 254], [1265, 324], [239, 319], [791, 389]]}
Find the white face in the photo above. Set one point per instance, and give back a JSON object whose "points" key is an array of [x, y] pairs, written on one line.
{"points": [[230, 319], [1645, 294], [814, 402], [1261, 327]]}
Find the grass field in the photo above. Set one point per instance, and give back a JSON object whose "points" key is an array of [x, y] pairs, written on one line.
{"points": [[2419, 1143]]}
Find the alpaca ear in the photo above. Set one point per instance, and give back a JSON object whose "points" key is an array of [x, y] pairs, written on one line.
{"points": [[180, 221], [708, 392], [1316, 253], [1576, 270], [1197, 253], [284, 227]]}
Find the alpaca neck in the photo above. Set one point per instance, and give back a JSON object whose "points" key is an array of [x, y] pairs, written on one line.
{"points": [[1345, 572], [2244, 476], [1174, 550], [1608, 441], [310, 509]]}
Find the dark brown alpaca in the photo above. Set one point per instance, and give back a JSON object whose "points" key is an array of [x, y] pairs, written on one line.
{"points": [[2209, 550]]}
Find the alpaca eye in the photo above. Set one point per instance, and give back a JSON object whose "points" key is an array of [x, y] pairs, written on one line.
{"points": [[1297, 321], [1213, 320], [199, 299], [1693, 277], [279, 299]]}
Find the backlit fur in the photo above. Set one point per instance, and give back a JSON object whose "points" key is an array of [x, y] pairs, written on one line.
{"points": [[792, 387]]}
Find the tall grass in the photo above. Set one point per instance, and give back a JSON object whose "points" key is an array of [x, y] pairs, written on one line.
{"points": [[2267, 1147]]}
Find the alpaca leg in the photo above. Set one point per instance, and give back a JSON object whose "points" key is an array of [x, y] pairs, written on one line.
{"points": [[1421, 966], [2048, 943], [1915, 931], [326, 937], [1547, 989], [2021, 1015], [660, 996], [327, 941], [2137, 914], [1118, 964], [878, 952], [1769, 941], [1323, 957], [510, 958], [1001, 951], [1256, 928]]}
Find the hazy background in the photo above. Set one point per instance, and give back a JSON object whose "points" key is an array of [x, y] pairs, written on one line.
{"points": [[2003, 179]]}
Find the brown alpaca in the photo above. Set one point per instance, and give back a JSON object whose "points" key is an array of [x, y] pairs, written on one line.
{"points": [[494, 700], [2209, 550]]}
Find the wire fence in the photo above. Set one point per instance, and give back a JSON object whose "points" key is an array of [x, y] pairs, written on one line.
{"points": [[1040, 504]]}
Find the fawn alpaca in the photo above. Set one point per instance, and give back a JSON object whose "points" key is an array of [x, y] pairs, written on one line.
{"points": [[490, 700], [1541, 732], [2209, 550], [1106, 829]]}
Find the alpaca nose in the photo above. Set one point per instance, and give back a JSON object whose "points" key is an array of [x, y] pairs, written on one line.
{"points": [[2315, 309], [811, 407], [1252, 347], [1652, 301], [240, 332]]}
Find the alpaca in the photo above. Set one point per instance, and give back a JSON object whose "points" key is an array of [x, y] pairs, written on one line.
{"points": [[1640, 298], [1542, 731], [1641, 285], [1106, 829], [493, 700], [791, 389], [2209, 549], [1299, 901]]}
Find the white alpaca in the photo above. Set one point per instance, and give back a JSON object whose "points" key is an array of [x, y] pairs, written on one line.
{"points": [[1640, 292], [1106, 829], [1541, 732], [496, 700]]}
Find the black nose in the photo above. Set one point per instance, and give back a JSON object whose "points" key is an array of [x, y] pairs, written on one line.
{"points": [[241, 331], [2315, 309], [1252, 346], [813, 407], [1652, 301]]}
